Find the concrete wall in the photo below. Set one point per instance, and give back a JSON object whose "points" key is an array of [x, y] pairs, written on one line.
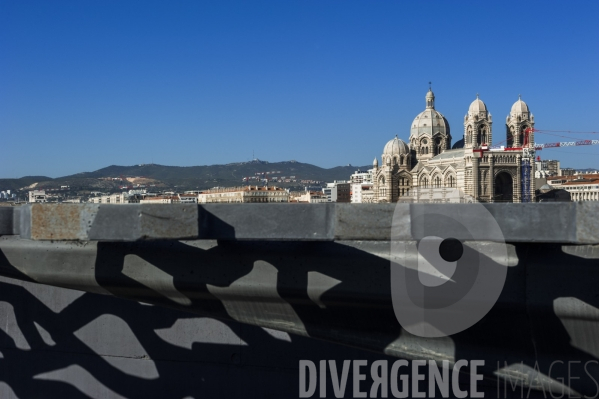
{"points": [[61, 343]]}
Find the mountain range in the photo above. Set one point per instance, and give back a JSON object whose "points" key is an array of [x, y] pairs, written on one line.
{"points": [[183, 177]]}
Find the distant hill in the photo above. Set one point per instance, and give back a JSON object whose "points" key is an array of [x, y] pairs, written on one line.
{"points": [[187, 178], [16, 184]]}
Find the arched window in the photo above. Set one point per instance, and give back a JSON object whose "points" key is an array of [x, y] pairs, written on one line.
{"points": [[451, 181], [437, 182], [437, 150], [510, 137], [424, 182]]}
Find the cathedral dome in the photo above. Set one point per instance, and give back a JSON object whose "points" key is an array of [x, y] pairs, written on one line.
{"points": [[519, 107], [458, 144], [396, 147], [477, 106], [430, 122]]}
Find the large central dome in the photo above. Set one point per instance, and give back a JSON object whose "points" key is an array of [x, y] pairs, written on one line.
{"points": [[430, 121]]}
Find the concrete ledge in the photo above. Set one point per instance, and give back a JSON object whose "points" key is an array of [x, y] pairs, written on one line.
{"points": [[567, 223]]}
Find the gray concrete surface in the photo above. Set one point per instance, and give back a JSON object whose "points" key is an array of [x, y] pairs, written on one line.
{"points": [[61, 343]]}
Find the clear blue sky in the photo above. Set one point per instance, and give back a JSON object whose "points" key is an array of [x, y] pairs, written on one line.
{"points": [[87, 84]]}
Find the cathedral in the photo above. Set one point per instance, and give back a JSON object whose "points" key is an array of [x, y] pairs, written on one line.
{"points": [[429, 169]]}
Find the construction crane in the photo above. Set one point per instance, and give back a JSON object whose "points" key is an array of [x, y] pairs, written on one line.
{"points": [[560, 144], [528, 154], [540, 146]]}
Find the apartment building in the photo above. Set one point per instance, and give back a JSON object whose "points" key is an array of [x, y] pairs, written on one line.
{"points": [[580, 187], [37, 196], [246, 194], [122, 198]]}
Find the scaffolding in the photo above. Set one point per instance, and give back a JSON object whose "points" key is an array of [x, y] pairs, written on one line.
{"points": [[526, 183]]}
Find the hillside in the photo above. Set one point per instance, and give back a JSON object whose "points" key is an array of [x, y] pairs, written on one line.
{"points": [[186, 178], [16, 184]]}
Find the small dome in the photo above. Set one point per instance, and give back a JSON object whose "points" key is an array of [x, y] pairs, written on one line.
{"points": [[396, 147], [519, 107], [458, 144], [375, 163], [477, 106]]}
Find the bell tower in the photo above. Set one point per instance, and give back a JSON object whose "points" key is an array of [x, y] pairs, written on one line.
{"points": [[477, 125], [519, 119]]}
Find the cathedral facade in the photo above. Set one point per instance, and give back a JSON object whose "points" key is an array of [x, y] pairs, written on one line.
{"points": [[429, 169]]}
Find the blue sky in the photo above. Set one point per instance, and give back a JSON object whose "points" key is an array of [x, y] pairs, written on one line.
{"points": [[87, 84]]}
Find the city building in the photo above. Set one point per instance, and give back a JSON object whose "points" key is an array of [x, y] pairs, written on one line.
{"points": [[338, 191], [580, 187], [360, 176], [122, 198], [362, 193], [547, 168], [72, 201], [37, 196], [188, 198], [245, 194], [313, 197], [161, 199], [361, 187], [430, 169]]}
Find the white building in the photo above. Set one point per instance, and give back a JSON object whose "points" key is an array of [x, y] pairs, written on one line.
{"points": [[338, 191], [361, 187], [547, 168], [580, 187], [362, 193], [72, 201], [188, 198], [360, 176], [161, 199], [313, 197], [247, 194], [122, 198], [37, 196]]}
